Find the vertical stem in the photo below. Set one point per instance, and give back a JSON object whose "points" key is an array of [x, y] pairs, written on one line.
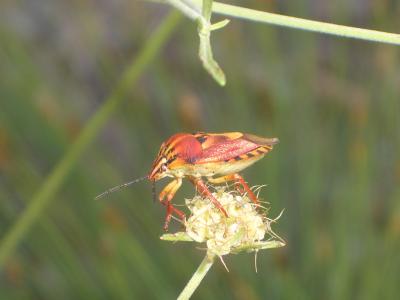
{"points": [[197, 277], [204, 29], [206, 9], [205, 51], [55, 179]]}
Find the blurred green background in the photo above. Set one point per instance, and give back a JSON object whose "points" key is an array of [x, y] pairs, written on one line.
{"points": [[334, 104]]}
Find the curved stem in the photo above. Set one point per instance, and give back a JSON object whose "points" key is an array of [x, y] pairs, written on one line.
{"points": [[197, 277], [205, 50], [55, 179]]}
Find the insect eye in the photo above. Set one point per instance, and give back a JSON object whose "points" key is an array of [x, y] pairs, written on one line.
{"points": [[164, 168]]}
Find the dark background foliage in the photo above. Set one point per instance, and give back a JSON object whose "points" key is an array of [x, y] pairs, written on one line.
{"points": [[334, 104]]}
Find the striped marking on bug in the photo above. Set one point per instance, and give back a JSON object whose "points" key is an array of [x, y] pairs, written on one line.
{"points": [[258, 152]]}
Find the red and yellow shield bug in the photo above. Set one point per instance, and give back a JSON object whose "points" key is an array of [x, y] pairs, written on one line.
{"points": [[216, 157]]}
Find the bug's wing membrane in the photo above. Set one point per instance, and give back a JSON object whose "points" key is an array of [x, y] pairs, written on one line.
{"points": [[260, 140]]}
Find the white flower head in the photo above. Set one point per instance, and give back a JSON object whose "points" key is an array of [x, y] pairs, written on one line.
{"points": [[246, 228]]}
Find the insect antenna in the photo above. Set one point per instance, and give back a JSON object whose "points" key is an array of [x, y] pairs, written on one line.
{"points": [[118, 187]]}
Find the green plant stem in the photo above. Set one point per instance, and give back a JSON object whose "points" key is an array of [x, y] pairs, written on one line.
{"points": [[185, 9], [205, 50], [206, 9], [54, 180], [298, 23], [203, 18], [197, 277]]}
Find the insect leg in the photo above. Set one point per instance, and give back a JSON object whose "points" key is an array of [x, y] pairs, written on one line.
{"points": [[246, 188], [202, 188], [165, 198], [239, 179]]}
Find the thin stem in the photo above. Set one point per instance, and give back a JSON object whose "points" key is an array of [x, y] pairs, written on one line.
{"points": [[298, 23], [206, 9], [189, 9], [55, 179], [205, 50], [197, 277], [186, 9]]}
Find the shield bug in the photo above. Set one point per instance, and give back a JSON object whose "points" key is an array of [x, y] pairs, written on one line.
{"points": [[215, 157]]}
